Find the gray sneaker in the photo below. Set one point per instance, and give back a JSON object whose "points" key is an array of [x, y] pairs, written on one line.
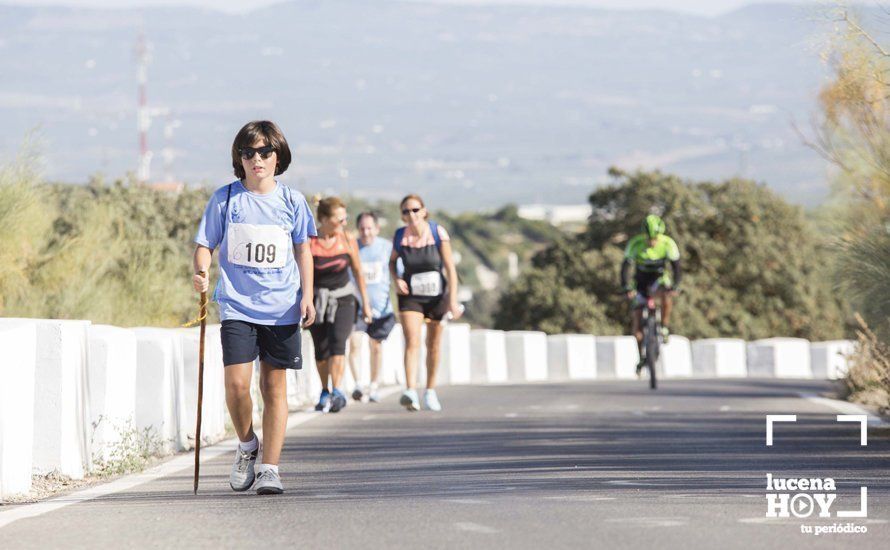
{"points": [[243, 470], [268, 483]]}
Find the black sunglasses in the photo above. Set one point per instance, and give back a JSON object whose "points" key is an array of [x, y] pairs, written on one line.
{"points": [[247, 153], [406, 211]]}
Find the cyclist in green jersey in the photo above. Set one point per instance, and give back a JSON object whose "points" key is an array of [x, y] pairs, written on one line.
{"points": [[651, 251]]}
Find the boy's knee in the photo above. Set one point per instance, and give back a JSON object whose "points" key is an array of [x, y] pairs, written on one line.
{"points": [[238, 387]]}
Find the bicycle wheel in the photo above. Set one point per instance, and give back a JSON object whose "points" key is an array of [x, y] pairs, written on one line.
{"points": [[651, 349]]}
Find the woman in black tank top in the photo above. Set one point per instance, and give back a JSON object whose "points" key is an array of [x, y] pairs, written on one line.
{"points": [[427, 290]]}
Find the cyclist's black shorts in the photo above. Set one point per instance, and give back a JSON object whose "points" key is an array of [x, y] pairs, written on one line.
{"points": [[646, 282]]}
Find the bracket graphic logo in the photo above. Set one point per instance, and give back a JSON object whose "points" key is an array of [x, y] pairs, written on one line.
{"points": [[803, 497]]}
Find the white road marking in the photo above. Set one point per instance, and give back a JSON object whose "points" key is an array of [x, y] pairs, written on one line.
{"points": [[173, 466], [724, 408], [511, 415], [466, 501], [475, 528], [650, 522], [579, 498], [630, 482], [844, 407]]}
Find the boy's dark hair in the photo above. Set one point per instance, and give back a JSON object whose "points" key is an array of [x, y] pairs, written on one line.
{"points": [[371, 213], [260, 130]]}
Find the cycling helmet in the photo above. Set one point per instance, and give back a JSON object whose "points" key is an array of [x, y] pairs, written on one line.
{"points": [[653, 226]]}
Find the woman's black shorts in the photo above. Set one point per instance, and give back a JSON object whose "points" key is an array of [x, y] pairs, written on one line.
{"points": [[434, 310], [330, 338], [277, 345]]}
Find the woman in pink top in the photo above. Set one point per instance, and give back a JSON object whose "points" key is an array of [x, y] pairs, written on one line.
{"points": [[427, 290]]}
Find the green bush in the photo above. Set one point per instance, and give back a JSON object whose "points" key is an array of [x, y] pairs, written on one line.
{"points": [[117, 254], [753, 265]]}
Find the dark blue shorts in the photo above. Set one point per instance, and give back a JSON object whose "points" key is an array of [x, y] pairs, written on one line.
{"points": [[277, 345], [379, 329]]}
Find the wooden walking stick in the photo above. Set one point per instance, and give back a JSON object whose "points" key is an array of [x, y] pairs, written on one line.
{"points": [[203, 317]]}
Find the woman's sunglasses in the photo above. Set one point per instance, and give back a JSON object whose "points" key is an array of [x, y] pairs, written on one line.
{"points": [[406, 211], [247, 153]]}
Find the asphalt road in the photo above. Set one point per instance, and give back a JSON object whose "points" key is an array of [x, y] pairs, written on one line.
{"points": [[604, 464]]}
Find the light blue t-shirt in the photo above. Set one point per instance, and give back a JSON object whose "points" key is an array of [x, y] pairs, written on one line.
{"points": [[375, 268], [259, 281]]}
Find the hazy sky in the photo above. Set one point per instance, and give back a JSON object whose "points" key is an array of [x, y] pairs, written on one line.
{"points": [[702, 7]]}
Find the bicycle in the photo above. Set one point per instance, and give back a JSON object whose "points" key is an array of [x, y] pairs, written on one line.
{"points": [[653, 338]]}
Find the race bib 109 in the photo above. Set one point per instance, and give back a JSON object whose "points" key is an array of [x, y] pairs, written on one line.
{"points": [[373, 272], [428, 283], [257, 245]]}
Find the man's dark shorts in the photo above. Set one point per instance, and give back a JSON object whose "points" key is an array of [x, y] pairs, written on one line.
{"points": [[277, 345], [379, 329]]}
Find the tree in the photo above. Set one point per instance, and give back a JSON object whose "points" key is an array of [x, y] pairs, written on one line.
{"points": [[753, 265], [854, 134]]}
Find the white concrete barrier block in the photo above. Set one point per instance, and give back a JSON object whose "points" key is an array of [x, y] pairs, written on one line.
{"points": [[159, 386], [571, 357], [488, 356], [112, 376], [17, 370], [617, 356], [363, 357], [830, 359], [62, 427], [676, 357], [454, 362], [720, 357], [779, 358], [393, 349], [300, 390], [304, 385], [213, 412], [526, 356]]}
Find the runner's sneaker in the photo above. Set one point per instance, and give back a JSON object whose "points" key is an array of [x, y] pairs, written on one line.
{"points": [[374, 397], [431, 401], [357, 393], [338, 400], [324, 401], [268, 482], [243, 469], [665, 334], [409, 400]]}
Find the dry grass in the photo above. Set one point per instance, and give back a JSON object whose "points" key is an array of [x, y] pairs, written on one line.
{"points": [[868, 378]]}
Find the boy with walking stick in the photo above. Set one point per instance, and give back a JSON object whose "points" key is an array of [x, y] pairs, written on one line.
{"points": [[264, 291]]}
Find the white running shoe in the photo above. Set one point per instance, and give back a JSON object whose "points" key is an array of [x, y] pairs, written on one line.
{"points": [[268, 482], [409, 400], [431, 401], [242, 476]]}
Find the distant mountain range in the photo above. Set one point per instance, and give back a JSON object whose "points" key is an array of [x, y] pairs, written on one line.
{"points": [[472, 106]]}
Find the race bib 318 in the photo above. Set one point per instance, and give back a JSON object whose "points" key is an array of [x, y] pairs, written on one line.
{"points": [[428, 284]]}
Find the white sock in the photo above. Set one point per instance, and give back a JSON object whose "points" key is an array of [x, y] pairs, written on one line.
{"points": [[250, 446], [273, 467]]}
